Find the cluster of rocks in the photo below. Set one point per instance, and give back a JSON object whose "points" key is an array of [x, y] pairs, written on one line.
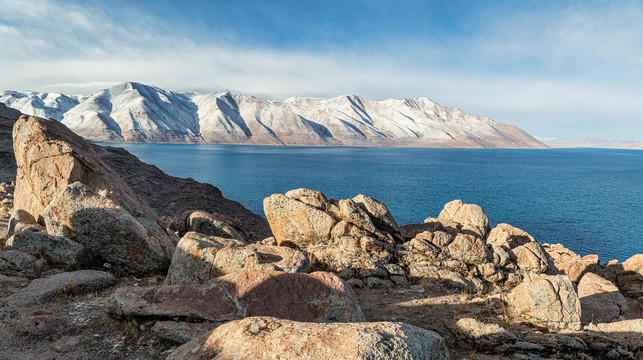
{"points": [[231, 293]]}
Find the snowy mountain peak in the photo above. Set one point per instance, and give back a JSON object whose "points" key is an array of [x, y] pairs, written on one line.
{"points": [[135, 112]]}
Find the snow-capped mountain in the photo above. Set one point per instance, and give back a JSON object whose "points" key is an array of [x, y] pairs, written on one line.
{"points": [[134, 112], [46, 105]]}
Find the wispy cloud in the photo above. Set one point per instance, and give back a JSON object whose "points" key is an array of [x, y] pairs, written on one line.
{"points": [[547, 72]]}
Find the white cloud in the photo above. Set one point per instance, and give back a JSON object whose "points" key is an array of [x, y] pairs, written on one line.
{"points": [[545, 73]]}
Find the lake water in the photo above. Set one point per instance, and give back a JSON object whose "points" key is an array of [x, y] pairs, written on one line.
{"points": [[590, 200]]}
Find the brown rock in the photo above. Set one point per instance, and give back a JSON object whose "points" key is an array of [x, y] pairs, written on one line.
{"points": [[378, 212], [468, 248], [483, 334], [50, 157], [270, 338], [192, 261], [523, 250], [309, 197], [20, 261], [209, 224], [293, 222], [631, 284], [316, 297], [354, 214], [470, 217], [633, 264], [257, 257], [56, 250], [546, 300], [21, 220], [600, 300], [108, 230]]}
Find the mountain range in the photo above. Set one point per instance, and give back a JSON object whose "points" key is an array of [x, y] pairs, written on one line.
{"points": [[134, 112]]}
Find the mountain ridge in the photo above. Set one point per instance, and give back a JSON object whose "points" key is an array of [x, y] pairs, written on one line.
{"points": [[134, 112]]}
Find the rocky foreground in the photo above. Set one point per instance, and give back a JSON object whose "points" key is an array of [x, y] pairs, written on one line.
{"points": [[92, 269]]}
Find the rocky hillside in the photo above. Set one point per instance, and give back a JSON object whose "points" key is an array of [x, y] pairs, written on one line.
{"points": [[133, 112]]}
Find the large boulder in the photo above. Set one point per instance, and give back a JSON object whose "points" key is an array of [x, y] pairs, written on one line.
{"points": [[600, 300], [546, 300], [56, 250], [378, 212], [50, 157], [469, 217], [199, 258], [631, 280], [522, 248], [348, 236], [193, 258], [572, 264], [108, 230], [270, 338], [295, 222], [316, 297], [209, 224], [468, 248]]}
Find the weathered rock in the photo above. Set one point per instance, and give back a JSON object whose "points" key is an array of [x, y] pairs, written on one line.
{"points": [[21, 220], [20, 261], [56, 250], [181, 332], [192, 261], [293, 222], [629, 331], [50, 157], [571, 264], [257, 257], [633, 264], [270, 338], [108, 230], [470, 217], [483, 334], [631, 284], [522, 248], [62, 283], [600, 300], [354, 214], [378, 212], [316, 297], [209, 224], [546, 300], [468, 248], [309, 197]]}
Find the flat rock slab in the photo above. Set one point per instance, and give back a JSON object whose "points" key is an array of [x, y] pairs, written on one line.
{"points": [[63, 283], [316, 297], [270, 338]]}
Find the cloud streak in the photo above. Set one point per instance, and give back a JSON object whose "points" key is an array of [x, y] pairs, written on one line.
{"points": [[564, 74]]}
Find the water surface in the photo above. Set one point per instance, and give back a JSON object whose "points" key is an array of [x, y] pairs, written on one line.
{"points": [[590, 200]]}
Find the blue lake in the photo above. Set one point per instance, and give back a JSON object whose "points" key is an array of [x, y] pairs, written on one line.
{"points": [[590, 200]]}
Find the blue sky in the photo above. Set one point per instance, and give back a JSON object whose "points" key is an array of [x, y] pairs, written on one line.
{"points": [[555, 68]]}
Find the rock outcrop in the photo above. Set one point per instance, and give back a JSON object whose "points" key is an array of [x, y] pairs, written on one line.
{"points": [[84, 197], [199, 258], [337, 235], [316, 297], [56, 250], [600, 300], [270, 338], [550, 301]]}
